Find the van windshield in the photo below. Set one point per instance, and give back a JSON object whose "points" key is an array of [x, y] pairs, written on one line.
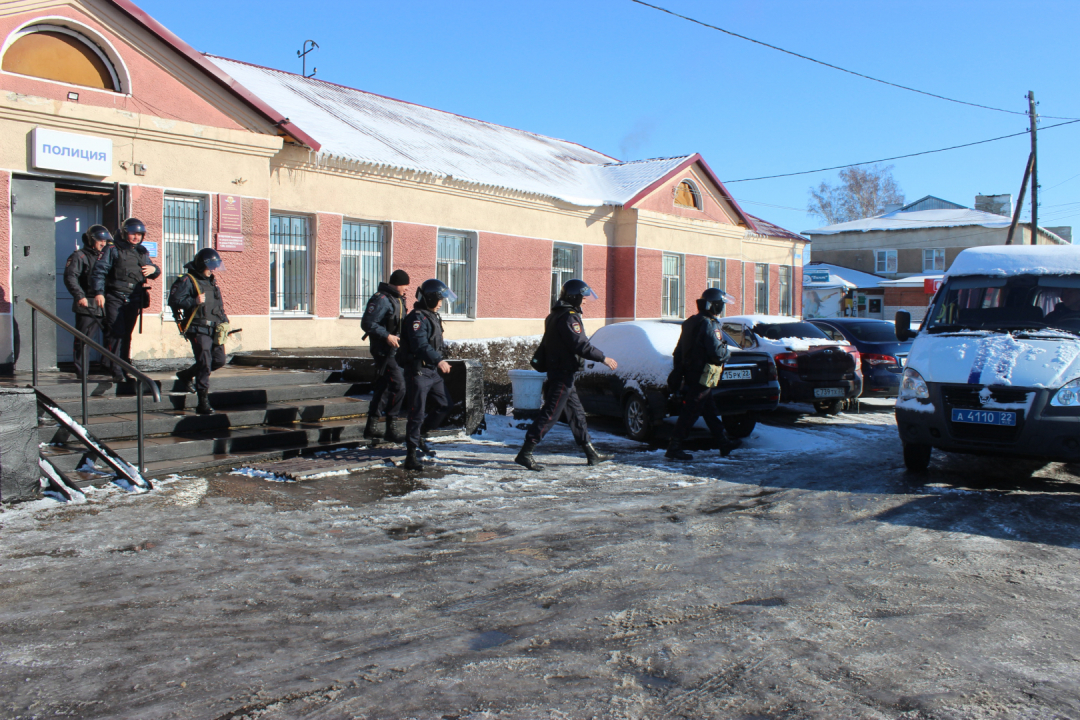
{"points": [[1002, 304]]}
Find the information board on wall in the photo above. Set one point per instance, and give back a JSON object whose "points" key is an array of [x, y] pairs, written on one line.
{"points": [[230, 236]]}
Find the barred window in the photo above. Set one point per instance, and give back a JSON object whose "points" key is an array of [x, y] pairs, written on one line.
{"points": [[671, 301], [785, 290], [761, 289], [182, 236], [290, 277], [717, 277], [362, 264], [565, 265], [454, 265]]}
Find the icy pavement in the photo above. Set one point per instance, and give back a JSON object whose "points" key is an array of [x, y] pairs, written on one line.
{"points": [[803, 576]]}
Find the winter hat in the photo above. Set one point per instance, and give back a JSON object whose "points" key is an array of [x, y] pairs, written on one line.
{"points": [[399, 277]]}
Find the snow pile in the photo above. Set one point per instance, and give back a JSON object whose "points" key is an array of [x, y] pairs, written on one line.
{"points": [[248, 472], [1010, 260], [916, 405]]}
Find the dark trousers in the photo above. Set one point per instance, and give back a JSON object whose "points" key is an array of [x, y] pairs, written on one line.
{"points": [[699, 403], [208, 357], [560, 397], [90, 326], [121, 315], [388, 394], [427, 403]]}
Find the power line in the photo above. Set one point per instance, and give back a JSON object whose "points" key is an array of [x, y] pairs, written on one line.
{"points": [[835, 67], [897, 157]]}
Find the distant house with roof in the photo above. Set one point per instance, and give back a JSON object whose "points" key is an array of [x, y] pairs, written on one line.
{"points": [[923, 237], [314, 192]]}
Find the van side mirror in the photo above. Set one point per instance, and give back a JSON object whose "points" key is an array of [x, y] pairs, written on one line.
{"points": [[903, 326]]}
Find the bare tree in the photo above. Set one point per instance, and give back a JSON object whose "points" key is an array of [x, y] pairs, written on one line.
{"points": [[864, 191]]}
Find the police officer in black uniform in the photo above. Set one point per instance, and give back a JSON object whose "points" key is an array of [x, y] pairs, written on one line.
{"points": [[565, 345], [699, 358], [77, 272], [421, 356], [383, 322], [195, 298], [119, 282]]}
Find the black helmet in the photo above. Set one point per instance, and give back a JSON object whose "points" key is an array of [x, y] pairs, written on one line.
{"points": [[712, 302], [130, 227], [575, 291], [95, 233], [431, 291], [207, 259]]}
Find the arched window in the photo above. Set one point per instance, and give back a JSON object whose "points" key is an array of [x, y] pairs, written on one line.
{"points": [[687, 195], [55, 52]]}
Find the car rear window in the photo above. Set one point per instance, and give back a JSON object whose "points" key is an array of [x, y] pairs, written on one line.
{"points": [[872, 331], [779, 331]]}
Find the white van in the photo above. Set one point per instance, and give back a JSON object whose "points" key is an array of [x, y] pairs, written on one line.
{"points": [[995, 366]]}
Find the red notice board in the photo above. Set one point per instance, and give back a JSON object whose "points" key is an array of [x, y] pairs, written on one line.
{"points": [[230, 236]]}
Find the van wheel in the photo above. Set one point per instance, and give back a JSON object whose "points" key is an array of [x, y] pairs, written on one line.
{"points": [[739, 426], [637, 419], [828, 407], [917, 457]]}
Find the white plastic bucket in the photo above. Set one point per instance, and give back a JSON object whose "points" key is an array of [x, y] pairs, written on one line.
{"points": [[527, 385]]}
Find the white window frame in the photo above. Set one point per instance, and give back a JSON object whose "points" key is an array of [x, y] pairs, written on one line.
{"points": [[278, 276], [667, 281], [557, 279], [362, 296], [716, 281], [466, 300], [935, 254], [202, 241], [759, 286], [881, 261]]}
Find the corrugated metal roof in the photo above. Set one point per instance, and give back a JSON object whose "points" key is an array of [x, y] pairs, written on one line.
{"points": [[358, 126], [930, 202], [917, 220], [767, 228]]}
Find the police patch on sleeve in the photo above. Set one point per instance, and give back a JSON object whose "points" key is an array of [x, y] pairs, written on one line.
{"points": [[416, 325], [575, 326], [719, 336], [371, 307]]}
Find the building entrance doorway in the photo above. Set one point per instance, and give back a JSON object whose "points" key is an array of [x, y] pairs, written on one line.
{"points": [[74, 216]]}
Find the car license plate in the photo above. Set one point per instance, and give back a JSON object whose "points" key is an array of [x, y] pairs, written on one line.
{"points": [[828, 392], [736, 375], [984, 417]]}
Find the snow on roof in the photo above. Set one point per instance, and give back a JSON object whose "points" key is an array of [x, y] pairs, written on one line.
{"points": [[362, 127], [1008, 260], [846, 276], [917, 220], [763, 319], [767, 228], [910, 281]]}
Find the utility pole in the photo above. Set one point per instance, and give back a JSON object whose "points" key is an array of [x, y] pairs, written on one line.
{"points": [[1034, 171]]}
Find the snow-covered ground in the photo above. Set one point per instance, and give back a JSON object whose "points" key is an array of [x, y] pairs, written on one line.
{"points": [[803, 576]]}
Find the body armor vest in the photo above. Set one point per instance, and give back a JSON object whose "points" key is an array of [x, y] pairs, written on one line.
{"points": [[126, 273]]}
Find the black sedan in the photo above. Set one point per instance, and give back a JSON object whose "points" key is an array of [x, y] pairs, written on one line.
{"points": [[638, 393], [881, 354]]}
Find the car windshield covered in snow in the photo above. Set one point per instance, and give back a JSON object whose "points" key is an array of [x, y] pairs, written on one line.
{"points": [[780, 331], [1002, 304]]}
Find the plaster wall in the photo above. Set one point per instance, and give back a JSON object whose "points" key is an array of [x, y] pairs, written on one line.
{"points": [[796, 291], [695, 278], [713, 207], [147, 204], [514, 278], [733, 286], [649, 286], [750, 299], [327, 264], [622, 283], [414, 251], [5, 245]]}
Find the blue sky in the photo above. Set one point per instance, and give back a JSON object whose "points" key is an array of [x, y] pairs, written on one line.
{"points": [[634, 83]]}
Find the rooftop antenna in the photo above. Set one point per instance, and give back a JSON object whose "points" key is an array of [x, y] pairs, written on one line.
{"points": [[303, 56]]}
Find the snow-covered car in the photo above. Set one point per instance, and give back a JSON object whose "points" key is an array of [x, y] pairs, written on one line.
{"points": [[638, 393], [995, 366], [812, 367]]}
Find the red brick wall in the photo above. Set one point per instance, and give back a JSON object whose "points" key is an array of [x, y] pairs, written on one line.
{"points": [[650, 270], [733, 278], [774, 289], [796, 289], [5, 242], [148, 204], [414, 251], [514, 278], [751, 289], [245, 281], [621, 283], [599, 270], [327, 262], [695, 277]]}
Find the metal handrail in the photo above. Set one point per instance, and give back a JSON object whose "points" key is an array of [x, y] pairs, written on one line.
{"points": [[139, 375]]}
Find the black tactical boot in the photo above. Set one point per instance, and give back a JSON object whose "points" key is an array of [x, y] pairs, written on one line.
{"points": [[525, 457], [727, 444], [391, 434], [425, 448], [370, 427], [203, 408], [412, 462], [675, 451], [594, 457], [186, 379]]}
